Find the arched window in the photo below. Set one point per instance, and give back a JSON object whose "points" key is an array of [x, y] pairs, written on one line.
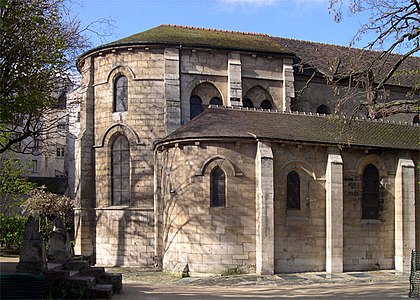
{"points": [[120, 171], [416, 120], [196, 106], [323, 110], [293, 190], [121, 94], [217, 188], [370, 194], [216, 101], [248, 103], [266, 104]]}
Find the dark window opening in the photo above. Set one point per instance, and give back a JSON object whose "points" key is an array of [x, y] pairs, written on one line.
{"points": [[323, 110], [266, 104], [196, 106], [216, 101], [218, 188], [121, 94], [416, 120], [293, 190], [248, 103], [370, 194], [120, 171]]}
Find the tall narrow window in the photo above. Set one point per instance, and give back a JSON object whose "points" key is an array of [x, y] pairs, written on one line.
{"points": [[370, 195], [248, 103], [121, 94], [196, 106], [323, 110], [293, 190], [266, 104], [216, 101], [120, 171], [218, 187]]}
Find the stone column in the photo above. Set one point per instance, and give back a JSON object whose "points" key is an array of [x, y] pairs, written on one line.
{"points": [[334, 214], [288, 84], [84, 220], [405, 232], [172, 90], [234, 79], [264, 209]]}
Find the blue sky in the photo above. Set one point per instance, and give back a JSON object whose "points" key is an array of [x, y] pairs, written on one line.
{"points": [[299, 19]]}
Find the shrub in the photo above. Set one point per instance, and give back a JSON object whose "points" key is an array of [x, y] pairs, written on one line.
{"points": [[11, 230]]}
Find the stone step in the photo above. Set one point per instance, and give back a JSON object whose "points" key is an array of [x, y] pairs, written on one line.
{"points": [[100, 291], [76, 265], [112, 278], [93, 271]]}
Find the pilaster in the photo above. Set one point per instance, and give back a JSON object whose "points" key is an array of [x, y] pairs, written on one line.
{"points": [[172, 89], [334, 214], [234, 79], [288, 84], [405, 232], [264, 209]]}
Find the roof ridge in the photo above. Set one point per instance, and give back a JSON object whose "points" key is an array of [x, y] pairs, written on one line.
{"points": [[217, 30], [304, 113]]}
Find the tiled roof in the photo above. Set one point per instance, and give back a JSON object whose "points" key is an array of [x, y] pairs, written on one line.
{"points": [[330, 59], [327, 59], [229, 123], [202, 37]]}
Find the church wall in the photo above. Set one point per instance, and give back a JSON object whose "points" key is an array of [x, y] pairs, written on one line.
{"points": [[209, 239], [318, 93], [299, 234], [264, 71], [368, 244], [124, 235]]}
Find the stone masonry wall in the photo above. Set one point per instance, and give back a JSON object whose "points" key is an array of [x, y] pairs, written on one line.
{"points": [[208, 239], [299, 237]]}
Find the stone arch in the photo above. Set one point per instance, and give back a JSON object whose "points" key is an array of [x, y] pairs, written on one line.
{"points": [[119, 128], [224, 163], [120, 70], [298, 165], [257, 94], [375, 160], [323, 110], [206, 91]]}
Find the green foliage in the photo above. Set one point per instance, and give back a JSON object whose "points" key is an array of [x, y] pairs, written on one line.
{"points": [[46, 207], [12, 184], [11, 230]]}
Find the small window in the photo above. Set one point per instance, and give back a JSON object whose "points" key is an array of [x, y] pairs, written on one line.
{"points": [[416, 120], [216, 101], [196, 106], [121, 94], [266, 104], [248, 103], [60, 151], [293, 190], [78, 117], [120, 171], [34, 166], [217, 188], [370, 194], [61, 126], [323, 110]]}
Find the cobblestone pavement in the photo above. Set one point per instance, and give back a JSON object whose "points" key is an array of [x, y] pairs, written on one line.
{"points": [[153, 285], [146, 284]]}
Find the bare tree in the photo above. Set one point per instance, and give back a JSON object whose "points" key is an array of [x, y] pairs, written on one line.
{"points": [[395, 25], [39, 43]]}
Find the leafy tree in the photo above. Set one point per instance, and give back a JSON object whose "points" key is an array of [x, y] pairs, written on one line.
{"points": [[12, 185], [46, 206], [395, 25]]}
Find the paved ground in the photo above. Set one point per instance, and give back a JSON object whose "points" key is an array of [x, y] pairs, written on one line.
{"points": [[149, 284]]}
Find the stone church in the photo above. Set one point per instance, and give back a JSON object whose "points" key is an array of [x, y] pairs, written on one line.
{"points": [[225, 151]]}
